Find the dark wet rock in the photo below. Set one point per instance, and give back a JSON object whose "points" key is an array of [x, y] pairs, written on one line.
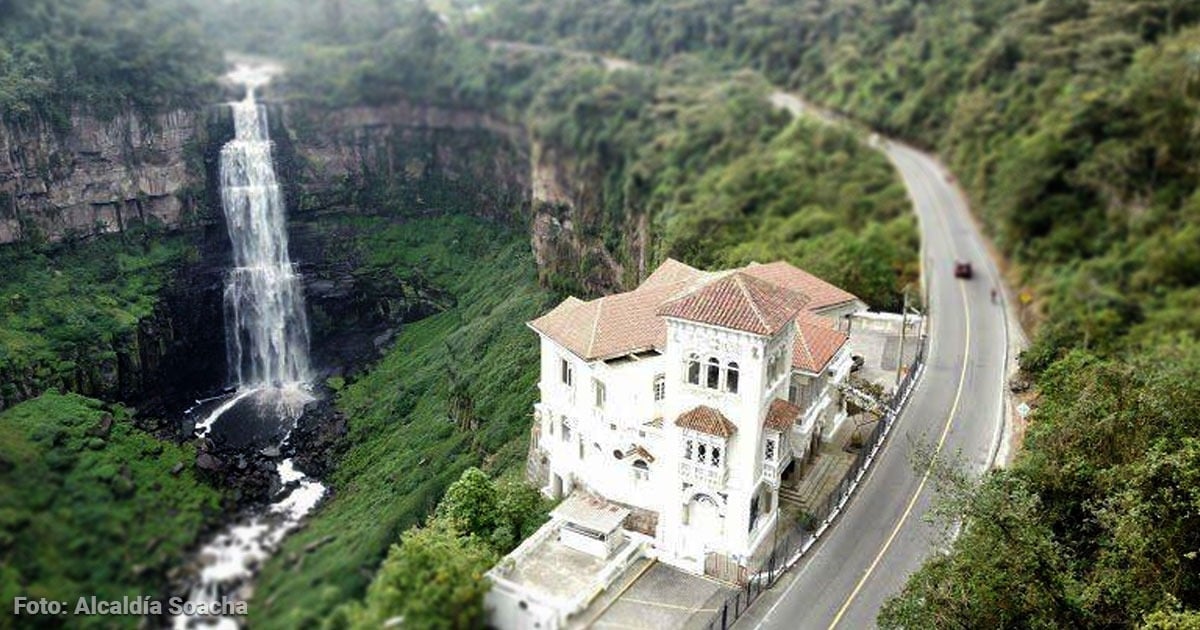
{"points": [[207, 461]]}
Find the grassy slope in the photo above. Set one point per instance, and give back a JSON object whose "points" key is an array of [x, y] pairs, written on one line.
{"points": [[82, 514], [403, 450], [66, 310]]}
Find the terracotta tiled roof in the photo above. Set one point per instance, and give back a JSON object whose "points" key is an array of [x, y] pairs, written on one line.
{"points": [[817, 342], [781, 415], [821, 293], [759, 299], [621, 323], [738, 301], [706, 420], [671, 273], [641, 452]]}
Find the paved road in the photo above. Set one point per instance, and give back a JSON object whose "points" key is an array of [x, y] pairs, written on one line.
{"points": [[882, 536]]}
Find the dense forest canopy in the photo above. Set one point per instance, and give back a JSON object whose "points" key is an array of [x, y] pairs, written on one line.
{"points": [[100, 56]]}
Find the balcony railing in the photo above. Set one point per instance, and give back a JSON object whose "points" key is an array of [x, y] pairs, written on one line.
{"points": [[704, 474], [772, 469]]}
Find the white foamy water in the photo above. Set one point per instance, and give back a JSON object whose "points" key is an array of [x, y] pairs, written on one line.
{"points": [[266, 337], [230, 560], [266, 331]]}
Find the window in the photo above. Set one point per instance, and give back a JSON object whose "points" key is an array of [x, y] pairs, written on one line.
{"points": [[693, 369], [641, 470], [687, 451], [714, 374], [600, 392], [731, 378], [566, 430], [565, 369], [772, 369], [701, 451], [716, 456], [769, 450], [660, 387]]}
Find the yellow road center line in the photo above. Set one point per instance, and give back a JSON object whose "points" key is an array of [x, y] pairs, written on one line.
{"points": [[912, 502]]}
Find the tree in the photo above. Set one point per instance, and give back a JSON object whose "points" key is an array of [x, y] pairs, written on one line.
{"points": [[433, 579], [470, 504]]}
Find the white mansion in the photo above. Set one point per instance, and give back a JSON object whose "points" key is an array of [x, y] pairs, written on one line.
{"points": [[671, 412]]}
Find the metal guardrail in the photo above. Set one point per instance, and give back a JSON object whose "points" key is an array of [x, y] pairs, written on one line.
{"points": [[796, 542]]}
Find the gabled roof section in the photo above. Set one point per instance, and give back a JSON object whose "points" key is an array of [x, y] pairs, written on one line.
{"points": [[672, 273], [740, 302], [782, 415], [706, 420], [621, 323], [817, 342], [821, 293], [759, 299]]}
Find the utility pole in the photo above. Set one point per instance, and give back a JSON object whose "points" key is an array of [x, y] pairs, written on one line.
{"points": [[903, 328]]}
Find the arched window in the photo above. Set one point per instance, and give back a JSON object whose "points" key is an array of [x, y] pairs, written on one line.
{"points": [[660, 388], [687, 452], [641, 470], [716, 456], [693, 369], [731, 377], [701, 451], [714, 374]]}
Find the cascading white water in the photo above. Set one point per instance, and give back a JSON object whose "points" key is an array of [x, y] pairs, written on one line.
{"points": [[266, 330], [266, 336]]}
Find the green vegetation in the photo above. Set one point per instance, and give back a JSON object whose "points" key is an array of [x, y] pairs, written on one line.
{"points": [[68, 312], [102, 55], [434, 577], [90, 504], [724, 178], [1073, 126], [698, 155], [454, 391]]}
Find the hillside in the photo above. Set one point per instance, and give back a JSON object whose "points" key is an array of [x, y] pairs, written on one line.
{"points": [[1072, 126]]}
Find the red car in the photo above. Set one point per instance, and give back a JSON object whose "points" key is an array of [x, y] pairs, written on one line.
{"points": [[962, 269]]}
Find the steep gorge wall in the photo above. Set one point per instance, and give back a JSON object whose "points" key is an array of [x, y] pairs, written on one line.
{"points": [[408, 157], [566, 228], [98, 175]]}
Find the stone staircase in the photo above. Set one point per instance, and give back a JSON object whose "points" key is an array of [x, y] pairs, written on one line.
{"points": [[819, 481]]}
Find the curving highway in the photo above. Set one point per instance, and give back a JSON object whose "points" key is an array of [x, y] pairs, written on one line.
{"points": [[883, 536]]}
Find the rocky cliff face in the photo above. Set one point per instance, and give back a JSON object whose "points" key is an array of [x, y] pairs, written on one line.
{"points": [[571, 254], [99, 176], [404, 159], [405, 156]]}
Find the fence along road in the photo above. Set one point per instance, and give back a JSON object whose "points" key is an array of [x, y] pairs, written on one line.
{"points": [[882, 537]]}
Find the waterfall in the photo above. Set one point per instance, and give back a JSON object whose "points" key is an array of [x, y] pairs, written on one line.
{"points": [[266, 343], [265, 328]]}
